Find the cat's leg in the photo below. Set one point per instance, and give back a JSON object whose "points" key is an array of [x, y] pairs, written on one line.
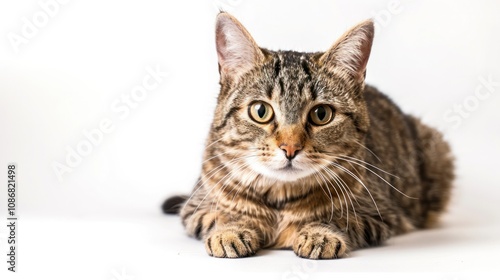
{"points": [[325, 240], [198, 215], [235, 240], [201, 222], [320, 241], [223, 239], [226, 234]]}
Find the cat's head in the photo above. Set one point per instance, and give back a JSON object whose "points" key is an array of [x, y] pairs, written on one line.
{"points": [[285, 115]]}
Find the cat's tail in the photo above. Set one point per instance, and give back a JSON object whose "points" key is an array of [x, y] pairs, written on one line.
{"points": [[173, 204]]}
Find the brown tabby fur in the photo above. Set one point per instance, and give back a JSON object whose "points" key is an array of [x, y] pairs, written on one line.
{"points": [[374, 171]]}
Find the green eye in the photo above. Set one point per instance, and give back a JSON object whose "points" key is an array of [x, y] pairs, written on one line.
{"points": [[261, 112], [321, 115]]}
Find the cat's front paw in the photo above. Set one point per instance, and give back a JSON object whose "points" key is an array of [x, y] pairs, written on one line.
{"points": [[319, 242], [232, 242]]}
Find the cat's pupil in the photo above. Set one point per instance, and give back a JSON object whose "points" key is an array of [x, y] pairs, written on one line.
{"points": [[321, 113], [261, 110]]}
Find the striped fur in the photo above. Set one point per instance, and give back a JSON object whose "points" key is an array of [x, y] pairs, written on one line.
{"points": [[371, 173]]}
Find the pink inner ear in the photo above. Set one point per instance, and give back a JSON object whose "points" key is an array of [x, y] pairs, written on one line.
{"points": [[365, 49], [352, 50], [221, 45], [237, 51]]}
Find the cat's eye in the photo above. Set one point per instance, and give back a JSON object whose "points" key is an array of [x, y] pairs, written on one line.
{"points": [[261, 112], [321, 114]]}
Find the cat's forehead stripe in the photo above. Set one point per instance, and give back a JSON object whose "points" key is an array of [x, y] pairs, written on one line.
{"points": [[293, 71], [305, 66], [277, 66]]}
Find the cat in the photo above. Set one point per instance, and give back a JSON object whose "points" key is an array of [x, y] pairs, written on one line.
{"points": [[302, 155]]}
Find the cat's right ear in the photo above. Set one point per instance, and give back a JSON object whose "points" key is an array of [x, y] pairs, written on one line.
{"points": [[351, 51], [236, 49]]}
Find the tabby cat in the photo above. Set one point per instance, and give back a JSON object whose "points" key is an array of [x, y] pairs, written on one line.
{"points": [[303, 155]]}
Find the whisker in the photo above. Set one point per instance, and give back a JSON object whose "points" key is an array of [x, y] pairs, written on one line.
{"points": [[212, 188], [222, 165], [225, 184], [347, 187], [345, 200], [364, 162], [371, 152], [343, 185], [204, 181], [221, 189], [345, 157], [361, 182], [343, 194], [200, 187], [216, 141], [217, 155], [380, 177], [330, 193], [214, 171]]}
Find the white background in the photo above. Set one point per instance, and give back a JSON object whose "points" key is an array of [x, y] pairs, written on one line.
{"points": [[102, 220]]}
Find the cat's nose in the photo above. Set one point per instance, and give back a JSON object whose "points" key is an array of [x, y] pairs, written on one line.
{"points": [[290, 150]]}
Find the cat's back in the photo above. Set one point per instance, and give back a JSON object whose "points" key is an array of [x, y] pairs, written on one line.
{"points": [[390, 134], [380, 105], [413, 151]]}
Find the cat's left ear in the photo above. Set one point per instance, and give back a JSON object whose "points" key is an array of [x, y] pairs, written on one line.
{"points": [[351, 51], [236, 49]]}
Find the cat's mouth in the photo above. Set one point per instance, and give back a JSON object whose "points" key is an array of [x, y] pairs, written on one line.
{"points": [[289, 164], [282, 170], [289, 168], [289, 172]]}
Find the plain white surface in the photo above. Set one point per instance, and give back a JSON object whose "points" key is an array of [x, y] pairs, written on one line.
{"points": [[103, 218]]}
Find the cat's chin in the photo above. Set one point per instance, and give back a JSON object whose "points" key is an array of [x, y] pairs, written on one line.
{"points": [[287, 174], [282, 170]]}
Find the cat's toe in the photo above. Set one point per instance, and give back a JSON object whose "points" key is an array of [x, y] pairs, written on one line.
{"points": [[232, 243], [319, 245], [201, 223]]}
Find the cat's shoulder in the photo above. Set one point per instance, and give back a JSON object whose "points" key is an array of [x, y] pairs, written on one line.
{"points": [[374, 97], [380, 105], [372, 94]]}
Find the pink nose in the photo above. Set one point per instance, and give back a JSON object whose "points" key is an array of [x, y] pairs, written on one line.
{"points": [[290, 150]]}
